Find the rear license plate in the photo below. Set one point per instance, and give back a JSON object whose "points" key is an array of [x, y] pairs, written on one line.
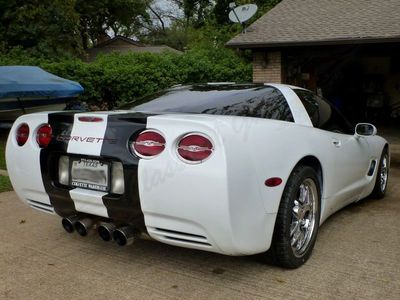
{"points": [[90, 174]]}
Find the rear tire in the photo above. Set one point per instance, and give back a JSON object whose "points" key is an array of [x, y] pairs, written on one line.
{"points": [[297, 222], [382, 176]]}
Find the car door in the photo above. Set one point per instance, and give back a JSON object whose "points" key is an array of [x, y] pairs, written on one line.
{"points": [[351, 161], [350, 158]]}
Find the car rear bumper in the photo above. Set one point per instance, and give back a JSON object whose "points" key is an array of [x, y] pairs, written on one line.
{"points": [[176, 211], [216, 236], [205, 206]]}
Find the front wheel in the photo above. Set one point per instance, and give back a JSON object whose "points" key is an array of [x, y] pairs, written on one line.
{"points": [[382, 176], [297, 222]]}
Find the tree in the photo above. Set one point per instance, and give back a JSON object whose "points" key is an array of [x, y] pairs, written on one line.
{"points": [[195, 11], [221, 11], [48, 27], [51, 27], [121, 17], [54, 27]]}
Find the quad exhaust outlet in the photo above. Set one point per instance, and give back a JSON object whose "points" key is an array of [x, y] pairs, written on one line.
{"points": [[124, 236], [69, 223], [106, 231], [82, 226]]}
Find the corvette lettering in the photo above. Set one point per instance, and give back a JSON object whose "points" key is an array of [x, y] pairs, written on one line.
{"points": [[84, 139]]}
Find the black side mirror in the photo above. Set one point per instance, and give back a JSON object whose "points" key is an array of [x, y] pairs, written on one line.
{"points": [[365, 129]]}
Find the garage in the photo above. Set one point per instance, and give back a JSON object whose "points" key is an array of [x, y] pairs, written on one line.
{"points": [[346, 51], [363, 81]]}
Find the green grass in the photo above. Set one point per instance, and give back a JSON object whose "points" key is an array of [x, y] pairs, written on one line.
{"points": [[5, 184], [3, 155]]}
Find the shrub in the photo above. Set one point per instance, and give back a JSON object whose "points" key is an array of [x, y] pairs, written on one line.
{"points": [[115, 79]]}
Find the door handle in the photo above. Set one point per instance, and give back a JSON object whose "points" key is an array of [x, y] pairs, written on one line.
{"points": [[336, 142]]}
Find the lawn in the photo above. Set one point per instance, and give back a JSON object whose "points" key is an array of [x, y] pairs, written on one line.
{"points": [[2, 155], [5, 184]]}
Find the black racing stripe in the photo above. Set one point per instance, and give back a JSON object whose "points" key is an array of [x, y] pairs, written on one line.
{"points": [[60, 198], [120, 129]]}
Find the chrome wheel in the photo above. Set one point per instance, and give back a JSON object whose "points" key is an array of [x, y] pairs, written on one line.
{"points": [[297, 221], [384, 173], [305, 208]]}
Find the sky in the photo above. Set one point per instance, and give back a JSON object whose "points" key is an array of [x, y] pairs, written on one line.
{"points": [[167, 5]]}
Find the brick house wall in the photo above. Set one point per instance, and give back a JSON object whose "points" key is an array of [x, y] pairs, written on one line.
{"points": [[267, 66]]}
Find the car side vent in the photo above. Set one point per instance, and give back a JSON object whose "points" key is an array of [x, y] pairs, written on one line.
{"points": [[41, 206], [182, 237], [372, 168]]}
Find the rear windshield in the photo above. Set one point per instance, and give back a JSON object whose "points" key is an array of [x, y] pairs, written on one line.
{"points": [[257, 101]]}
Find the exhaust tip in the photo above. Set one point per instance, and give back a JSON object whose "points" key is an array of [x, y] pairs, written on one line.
{"points": [[124, 236], [68, 223], [83, 226], [106, 231]]}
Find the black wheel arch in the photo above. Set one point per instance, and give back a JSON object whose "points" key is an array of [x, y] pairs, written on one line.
{"points": [[313, 162], [386, 147]]}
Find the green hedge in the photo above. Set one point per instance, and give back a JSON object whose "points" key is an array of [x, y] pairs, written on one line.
{"points": [[115, 79]]}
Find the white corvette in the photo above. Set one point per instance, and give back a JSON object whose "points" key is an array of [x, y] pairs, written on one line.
{"points": [[229, 168]]}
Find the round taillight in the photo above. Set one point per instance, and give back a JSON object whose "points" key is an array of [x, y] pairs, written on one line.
{"points": [[195, 148], [44, 135], [22, 134], [148, 143]]}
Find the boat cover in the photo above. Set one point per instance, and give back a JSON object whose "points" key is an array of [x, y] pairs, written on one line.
{"points": [[28, 81]]}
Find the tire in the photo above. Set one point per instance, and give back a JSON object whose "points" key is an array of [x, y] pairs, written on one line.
{"points": [[292, 249], [382, 176]]}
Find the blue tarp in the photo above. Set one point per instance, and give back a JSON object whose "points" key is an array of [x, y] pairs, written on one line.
{"points": [[25, 81]]}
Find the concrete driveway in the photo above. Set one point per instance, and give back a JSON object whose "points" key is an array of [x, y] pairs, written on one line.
{"points": [[357, 256]]}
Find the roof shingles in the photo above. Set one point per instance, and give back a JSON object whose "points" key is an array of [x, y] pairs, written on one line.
{"points": [[295, 22]]}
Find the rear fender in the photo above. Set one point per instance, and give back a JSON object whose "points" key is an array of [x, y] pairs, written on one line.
{"points": [[23, 162]]}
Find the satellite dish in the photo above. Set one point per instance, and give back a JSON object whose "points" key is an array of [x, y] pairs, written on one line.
{"points": [[242, 13]]}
